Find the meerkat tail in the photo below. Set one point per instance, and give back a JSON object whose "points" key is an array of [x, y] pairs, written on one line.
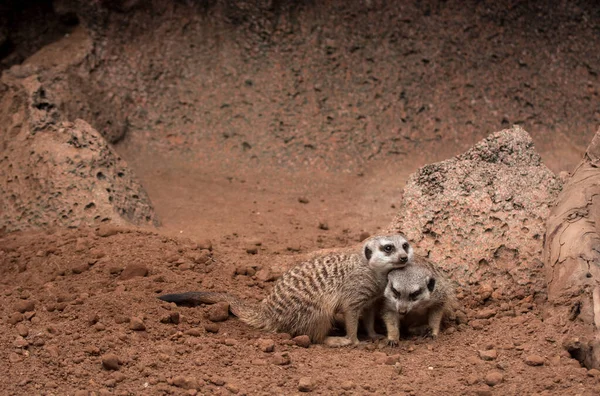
{"points": [[248, 313]]}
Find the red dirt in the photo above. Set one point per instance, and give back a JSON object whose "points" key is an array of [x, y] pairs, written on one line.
{"points": [[206, 187]]}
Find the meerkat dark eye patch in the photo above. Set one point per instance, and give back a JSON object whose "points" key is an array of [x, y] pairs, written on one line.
{"points": [[368, 253], [397, 294], [414, 295], [405, 246], [389, 248], [431, 284]]}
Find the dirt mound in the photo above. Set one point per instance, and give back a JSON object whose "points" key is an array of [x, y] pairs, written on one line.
{"points": [[78, 312], [55, 172], [481, 215]]}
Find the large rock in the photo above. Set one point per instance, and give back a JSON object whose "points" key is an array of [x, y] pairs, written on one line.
{"points": [[56, 172], [481, 214]]}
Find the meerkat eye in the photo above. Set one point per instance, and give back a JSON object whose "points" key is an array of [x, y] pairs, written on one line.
{"points": [[405, 246], [397, 294], [388, 248], [413, 296]]}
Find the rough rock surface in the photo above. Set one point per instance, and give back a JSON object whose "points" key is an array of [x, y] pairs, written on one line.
{"points": [[481, 214], [56, 172]]}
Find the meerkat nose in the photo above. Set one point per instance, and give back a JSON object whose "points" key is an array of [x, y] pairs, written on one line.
{"points": [[402, 311], [403, 259]]}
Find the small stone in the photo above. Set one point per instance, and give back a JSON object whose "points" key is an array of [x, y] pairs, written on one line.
{"points": [[266, 344], [252, 250], [218, 312], [14, 357], [24, 306], [93, 318], [306, 384], [485, 291], [99, 326], [194, 332], [323, 226], [211, 327], [593, 372], [230, 342], [81, 268], [492, 354], [15, 318], [534, 360], [493, 378], [485, 313], [137, 324], [110, 361], [265, 275], [217, 381], [478, 324], [20, 342], [347, 385], [281, 359], [185, 382], [120, 319], [106, 230], [134, 270], [302, 341], [392, 359], [22, 330], [483, 392], [233, 388], [303, 200], [52, 350], [205, 244], [472, 379]]}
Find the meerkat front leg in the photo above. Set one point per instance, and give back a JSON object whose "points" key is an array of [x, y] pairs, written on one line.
{"points": [[435, 320], [392, 325], [351, 320], [369, 320]]}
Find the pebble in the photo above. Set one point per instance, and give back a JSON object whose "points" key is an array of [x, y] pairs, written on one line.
{"points": [[194, 332], [493, 378], [218, 312], [211, 327], [347, 385], [24, 306], [485, 291], [485, 313], [281, 359], [472, 379], [303, 200], [15, 318], [392, 359], [233, 388], [20, 342], [492, 354], [185, 382], [266, 344], [205, 244], [265, 275], [302, 341], [230, 342], [93, 318], [534, 360], [323, 226], [22, 330], [478, 324], [110, 361], [106, 230], [133, 271], [80, 268], [593, 372], [136, 324], [306, 384]]}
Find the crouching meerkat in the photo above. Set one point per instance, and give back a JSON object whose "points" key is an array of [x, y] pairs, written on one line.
{"points": [[416, 295], [305, 299]]}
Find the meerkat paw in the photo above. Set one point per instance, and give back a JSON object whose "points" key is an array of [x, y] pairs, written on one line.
{"points": [[392, 342], [337, 342]]}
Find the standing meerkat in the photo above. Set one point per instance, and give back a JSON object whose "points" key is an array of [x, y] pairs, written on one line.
{"points": [[416, 295], [305, 299]]}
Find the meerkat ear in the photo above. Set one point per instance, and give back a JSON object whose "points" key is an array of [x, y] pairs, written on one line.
{"points": [[431, 284], [368, 252]]}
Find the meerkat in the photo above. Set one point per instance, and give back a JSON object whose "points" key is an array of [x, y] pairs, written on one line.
{"points": [[306, 298], [415, 295]]}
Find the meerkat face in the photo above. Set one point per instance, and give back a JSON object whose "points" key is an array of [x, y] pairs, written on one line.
{"points": [[409, 289], [388, 252]]}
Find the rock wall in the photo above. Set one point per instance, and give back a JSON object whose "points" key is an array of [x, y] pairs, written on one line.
{"points": [[481, 215], [57, 172]]}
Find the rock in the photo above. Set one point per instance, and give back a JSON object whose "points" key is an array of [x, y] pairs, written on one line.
{"points": [[485, 313], [20, 342], [134, 270], [136, 324], [233, 388], [492, 354], [265, 275], [218, 312], [281, 359], [593, 373], [106, 230], [185, 382], [534, 360], [472, 379], [476, 205], [392, 359], [303, 200], [15, 318], [252, 250], [323, 226], [347, 385], [211, 327], [22, 330], [306, 384], [205, 244], [493, 378], [230, 342], [193, 332], [110, 361], [266, 344], [302, 341], [93, 318], [24, 306]]}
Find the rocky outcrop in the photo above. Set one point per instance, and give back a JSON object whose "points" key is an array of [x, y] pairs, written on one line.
{"points": [[57, 172], [481, 215]]}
